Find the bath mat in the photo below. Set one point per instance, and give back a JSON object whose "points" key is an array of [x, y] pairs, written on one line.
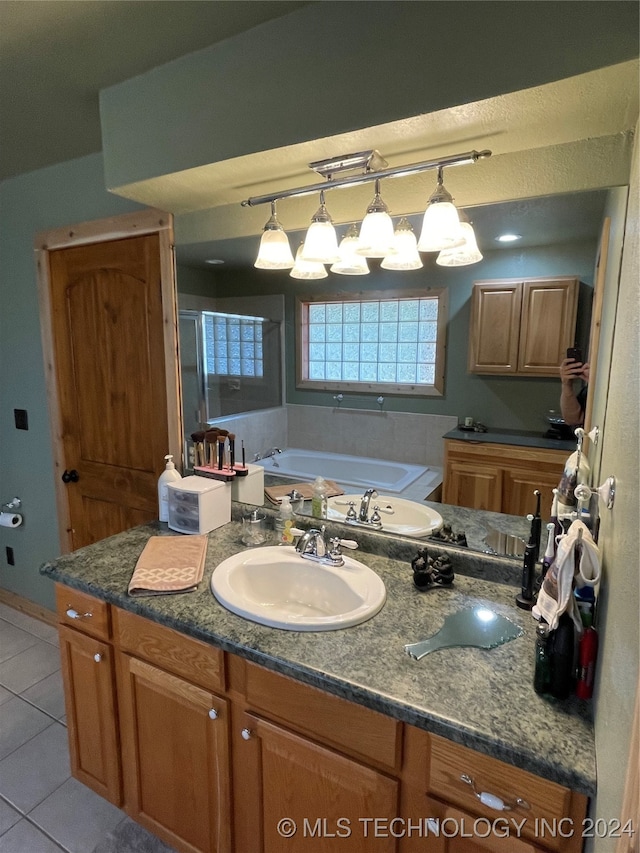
{"points": [[305, 489], [169, 564]]}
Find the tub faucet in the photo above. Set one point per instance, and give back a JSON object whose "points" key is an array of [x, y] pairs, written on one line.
{"points": [[363, 515], [268, 454]]}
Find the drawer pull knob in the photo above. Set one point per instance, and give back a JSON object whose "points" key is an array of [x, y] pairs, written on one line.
{"points": [[247, 734], [97, 657], [492, 801], [213, 714], [73, 614]]}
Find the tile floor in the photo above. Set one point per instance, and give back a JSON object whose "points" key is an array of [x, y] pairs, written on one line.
{"points": [[42, 808]]}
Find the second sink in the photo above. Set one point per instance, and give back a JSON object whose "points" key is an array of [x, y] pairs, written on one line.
{"points": [[409, 518]]}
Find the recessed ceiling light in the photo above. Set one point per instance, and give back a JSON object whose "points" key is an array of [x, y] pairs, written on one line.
{"points": [[214, 261], [508, 238]]}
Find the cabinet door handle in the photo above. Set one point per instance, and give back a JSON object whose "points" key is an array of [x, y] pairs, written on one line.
{"points": [[492, 801], [73, 614], [97, 657], [247, 734], [213, 714]]}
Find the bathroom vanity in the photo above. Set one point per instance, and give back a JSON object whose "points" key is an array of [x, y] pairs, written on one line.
{"points": [[499, 470], [220, 734]]}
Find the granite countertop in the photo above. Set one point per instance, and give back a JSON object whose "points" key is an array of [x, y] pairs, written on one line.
{"points": [[518, 437], [482, 699]]}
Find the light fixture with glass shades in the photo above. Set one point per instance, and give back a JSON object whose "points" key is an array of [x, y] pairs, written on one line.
{"points": [[350, 263], [321, 243], [307, 270], [404, 253], [376, 232], [467, 253], [441, 223], [274, 252], [442, 230]]}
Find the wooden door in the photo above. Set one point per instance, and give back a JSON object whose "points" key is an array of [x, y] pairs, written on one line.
{"points": [[110, 341], [89, 690], [495, 327], [175, 739], [304, 796], [548, 324]]}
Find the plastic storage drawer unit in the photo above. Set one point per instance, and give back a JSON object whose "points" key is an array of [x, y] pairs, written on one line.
{"points": [[198, 505]]}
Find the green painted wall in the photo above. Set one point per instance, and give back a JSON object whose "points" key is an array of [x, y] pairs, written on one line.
{"points": [[333, 67], [60, 195], [507, 402]]}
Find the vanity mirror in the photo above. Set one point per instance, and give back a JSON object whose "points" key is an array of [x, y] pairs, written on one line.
{"points": [[560, 236]]}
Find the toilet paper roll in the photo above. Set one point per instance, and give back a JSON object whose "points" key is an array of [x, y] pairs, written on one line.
{"points": [[10, 519]]}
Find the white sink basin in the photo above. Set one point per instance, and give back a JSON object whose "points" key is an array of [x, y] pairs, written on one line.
{"points": [[276, 586], [409, 518]]}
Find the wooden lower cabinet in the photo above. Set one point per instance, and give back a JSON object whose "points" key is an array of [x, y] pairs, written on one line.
{"points": [[214, 754], [175, 740], [500, 477], [305, 796], [92, 721]]}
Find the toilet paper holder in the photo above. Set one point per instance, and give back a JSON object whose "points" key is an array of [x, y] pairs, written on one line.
{"points": [[9, 517]]}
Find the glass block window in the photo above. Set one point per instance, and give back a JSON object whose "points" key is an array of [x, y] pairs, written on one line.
{"points": [[392, 345], [232, 344]]}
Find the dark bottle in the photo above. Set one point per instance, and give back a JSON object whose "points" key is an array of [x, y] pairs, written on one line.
{"points": [[561, 652], [542, 673]]}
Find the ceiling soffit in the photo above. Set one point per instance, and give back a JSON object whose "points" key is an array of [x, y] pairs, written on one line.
{"points": [[571, 124]]}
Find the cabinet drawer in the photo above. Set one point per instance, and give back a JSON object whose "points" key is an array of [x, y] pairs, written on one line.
{"points": [[82, 611], [548, 802], [175, 652], [358, 731]]}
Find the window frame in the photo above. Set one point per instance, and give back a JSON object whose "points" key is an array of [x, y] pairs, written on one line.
{"points": [[407, 389]]}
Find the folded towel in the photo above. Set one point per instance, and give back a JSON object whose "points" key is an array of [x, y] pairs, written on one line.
{"points": [[577, 562], [305, 489], [169, 564]]}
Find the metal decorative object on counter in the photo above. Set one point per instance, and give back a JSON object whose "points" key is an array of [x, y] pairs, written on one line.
{"points": [[429, 571], [447, 534]]}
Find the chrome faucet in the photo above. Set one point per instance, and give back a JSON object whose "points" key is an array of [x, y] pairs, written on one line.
{"points": [[268, 454], [313, 546], [363, 515]]}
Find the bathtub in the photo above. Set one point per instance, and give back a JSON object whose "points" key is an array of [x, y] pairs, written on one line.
{"points": [[387, 477]]}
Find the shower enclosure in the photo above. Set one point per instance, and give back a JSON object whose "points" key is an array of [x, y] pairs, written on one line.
{"points": [[230, 364]]}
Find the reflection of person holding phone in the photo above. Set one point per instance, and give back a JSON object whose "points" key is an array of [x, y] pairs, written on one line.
{"points": [[573, 405]]}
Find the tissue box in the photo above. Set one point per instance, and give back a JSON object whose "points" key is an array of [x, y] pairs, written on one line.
{"points": [[249, 489], [198, 505]]}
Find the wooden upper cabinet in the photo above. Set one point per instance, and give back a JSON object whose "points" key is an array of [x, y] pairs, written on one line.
{"points": [[495, 327], [522, 327]]}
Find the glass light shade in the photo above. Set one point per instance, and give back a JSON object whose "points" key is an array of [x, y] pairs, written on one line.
{"points": [[405, 249], [307, 269], [462, 256], [376, 235], [321, 243], [440, 227], [350, 263], [274, 252], [376, 231]]}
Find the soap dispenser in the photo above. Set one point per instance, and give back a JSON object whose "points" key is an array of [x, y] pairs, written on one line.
{"points": [[319, 499], [169, 475], [284, 522]]}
